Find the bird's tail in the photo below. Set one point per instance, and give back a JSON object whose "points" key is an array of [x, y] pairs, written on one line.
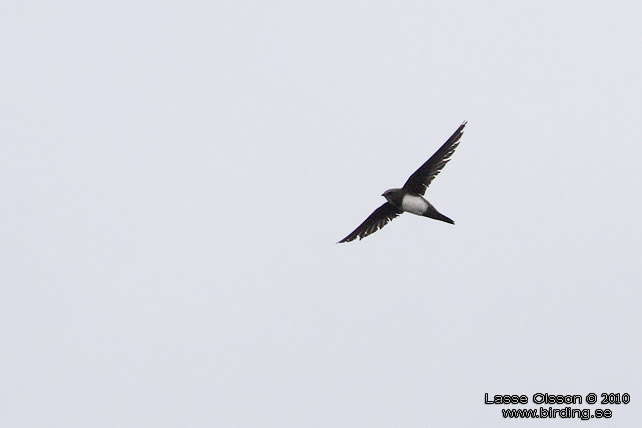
{"points": [[433, 213]]}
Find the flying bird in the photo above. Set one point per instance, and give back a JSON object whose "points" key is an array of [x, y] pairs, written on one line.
{"points": [[410, 197]]}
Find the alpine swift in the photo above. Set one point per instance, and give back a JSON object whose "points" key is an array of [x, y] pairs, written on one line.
{"points": [[410, 197]]}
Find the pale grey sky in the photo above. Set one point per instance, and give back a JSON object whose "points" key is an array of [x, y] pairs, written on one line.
{"points": [[175, 175]]}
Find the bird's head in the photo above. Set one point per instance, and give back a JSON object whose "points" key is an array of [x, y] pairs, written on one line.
{"points": [[389, 194]]}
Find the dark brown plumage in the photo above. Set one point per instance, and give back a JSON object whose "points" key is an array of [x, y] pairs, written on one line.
{"points": [[409, 197], [378, 219], [419, 181]]}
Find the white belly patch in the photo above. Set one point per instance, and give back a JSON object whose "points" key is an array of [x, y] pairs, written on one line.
{"points": [[414, 204]]}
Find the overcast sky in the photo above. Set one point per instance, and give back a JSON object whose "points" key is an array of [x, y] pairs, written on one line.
{"points": [[175, 176]]}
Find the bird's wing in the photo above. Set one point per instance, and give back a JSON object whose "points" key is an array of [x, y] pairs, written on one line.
{"points": [[378, 219], [421, 179]]}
